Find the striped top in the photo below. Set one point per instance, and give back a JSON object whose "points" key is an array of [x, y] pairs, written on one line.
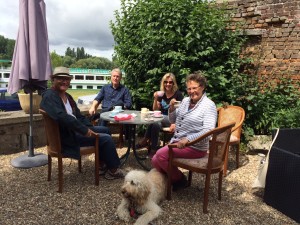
{"points": [[194, 122]]}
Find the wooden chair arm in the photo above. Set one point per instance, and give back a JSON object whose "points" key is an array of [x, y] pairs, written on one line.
{"points": [[201, 138]]}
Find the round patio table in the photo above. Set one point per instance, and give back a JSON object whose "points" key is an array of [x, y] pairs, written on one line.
{"points": [[140, 155]]}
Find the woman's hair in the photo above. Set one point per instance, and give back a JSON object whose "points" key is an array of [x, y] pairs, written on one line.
{"points": [[165, 77], [197, 77]]}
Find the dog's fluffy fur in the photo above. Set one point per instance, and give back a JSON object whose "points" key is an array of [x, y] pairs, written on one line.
{"points": [[142, 192]]}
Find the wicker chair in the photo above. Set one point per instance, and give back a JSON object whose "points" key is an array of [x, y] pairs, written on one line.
{"points": [[228, 114]]}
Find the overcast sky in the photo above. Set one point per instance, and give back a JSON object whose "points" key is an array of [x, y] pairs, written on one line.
{"points": [[70, 23]]}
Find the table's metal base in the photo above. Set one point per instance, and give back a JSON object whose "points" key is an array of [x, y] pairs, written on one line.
{"points": [[26, 162], [141, 155]]}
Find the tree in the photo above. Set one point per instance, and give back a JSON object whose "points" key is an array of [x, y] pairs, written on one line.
{"points": [[6, 48], [70, 52], [154, 37], [68, 61], [56, 60], [79, 53], [10, 48], [93, 63]]}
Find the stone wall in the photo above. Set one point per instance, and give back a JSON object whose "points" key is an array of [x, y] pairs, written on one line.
{"points": [[273, 28], [14, 131]]}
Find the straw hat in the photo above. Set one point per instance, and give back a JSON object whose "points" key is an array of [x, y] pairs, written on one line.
{"points": [[61, 72]]}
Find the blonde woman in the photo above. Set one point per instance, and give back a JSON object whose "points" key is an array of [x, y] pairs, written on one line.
{"points": [[168, 91]]}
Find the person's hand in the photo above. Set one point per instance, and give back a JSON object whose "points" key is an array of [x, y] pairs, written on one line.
{"points": [[90, 133], [172, 103], [92, 111], [172, 127], [182, 142], [94, 107], [155, 95]]}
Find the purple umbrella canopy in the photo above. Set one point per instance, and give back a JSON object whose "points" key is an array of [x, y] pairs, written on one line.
{"points": [[31, 64]]}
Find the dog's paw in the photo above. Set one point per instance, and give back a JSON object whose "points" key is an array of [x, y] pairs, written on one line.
{"points": [[123, 214]]}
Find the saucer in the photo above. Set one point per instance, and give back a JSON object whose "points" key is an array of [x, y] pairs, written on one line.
{"points": [[117, 111]]}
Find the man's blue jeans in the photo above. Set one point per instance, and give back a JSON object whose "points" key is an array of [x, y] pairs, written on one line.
{"points": [[107, 148]]}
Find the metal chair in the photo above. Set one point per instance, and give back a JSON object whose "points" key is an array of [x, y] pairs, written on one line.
{"points": [[54, 150], [228, 114], [212, 163]]}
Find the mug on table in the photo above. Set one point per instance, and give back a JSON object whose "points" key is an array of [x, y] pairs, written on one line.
{"points": [[144, 112], [160, 93], [117, 108], [157, 113], [176, 104]]}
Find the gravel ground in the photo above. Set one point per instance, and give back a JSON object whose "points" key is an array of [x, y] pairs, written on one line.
{"points": [[27, 197]]}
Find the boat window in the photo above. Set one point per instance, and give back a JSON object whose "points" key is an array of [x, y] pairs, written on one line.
{"points": [[99, 78], [79, 77], [89, 77]]}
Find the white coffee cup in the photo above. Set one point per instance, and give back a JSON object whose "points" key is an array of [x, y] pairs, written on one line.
{"points": [[143, 110], [117, 108], [114, 113], [160, 93], [176, 104], [148, 116]]}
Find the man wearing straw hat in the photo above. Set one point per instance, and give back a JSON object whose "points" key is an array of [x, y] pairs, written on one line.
{"points": [[75, 129]]}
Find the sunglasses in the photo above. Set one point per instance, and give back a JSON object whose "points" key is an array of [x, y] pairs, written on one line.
{"points": [[168, 82], [64, 78]]}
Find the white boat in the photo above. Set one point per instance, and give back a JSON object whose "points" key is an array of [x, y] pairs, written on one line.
{"points": [[82, 78], [4, 76]]}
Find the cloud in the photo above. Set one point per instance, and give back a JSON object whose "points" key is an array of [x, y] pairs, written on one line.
{"points": [[70, 23]]}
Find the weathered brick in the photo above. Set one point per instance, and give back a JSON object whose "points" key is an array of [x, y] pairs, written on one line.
{"points": [[277, 23]]}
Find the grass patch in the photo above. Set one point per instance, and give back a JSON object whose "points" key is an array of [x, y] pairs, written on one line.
{"points": [[74, 92], [81, 92]]}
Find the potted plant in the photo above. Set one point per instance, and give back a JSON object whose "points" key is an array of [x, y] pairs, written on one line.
{"points": [[25, 102]]}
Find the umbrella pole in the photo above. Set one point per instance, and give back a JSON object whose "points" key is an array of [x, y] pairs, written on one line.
{"points": [[30, 160], [30, 141]]}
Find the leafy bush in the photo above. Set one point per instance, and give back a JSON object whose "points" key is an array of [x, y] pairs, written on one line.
{"points": [[269, 102], [154, 37]]}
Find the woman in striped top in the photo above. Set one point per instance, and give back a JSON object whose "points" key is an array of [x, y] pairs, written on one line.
{"points": [[195, 116]]}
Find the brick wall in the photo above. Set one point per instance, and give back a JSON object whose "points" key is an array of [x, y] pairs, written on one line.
{"points": [[273, 28]]}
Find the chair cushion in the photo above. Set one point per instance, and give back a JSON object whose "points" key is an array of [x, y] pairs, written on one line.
{"points": [[233, 138], [198, 162]]}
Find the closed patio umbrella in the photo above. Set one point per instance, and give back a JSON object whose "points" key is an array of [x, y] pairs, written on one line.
{"points": [[31, 66]]}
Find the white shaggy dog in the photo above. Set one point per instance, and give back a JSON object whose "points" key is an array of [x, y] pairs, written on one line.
{"points": [[142, 192]]}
